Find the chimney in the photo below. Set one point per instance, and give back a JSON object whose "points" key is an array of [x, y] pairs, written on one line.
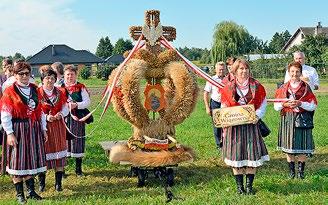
{"points": [[53, 51], [318, 29]]}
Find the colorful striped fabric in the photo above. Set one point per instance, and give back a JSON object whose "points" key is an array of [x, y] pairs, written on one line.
{"points": [[28, 156], [56, 146], [76, 146], [243, 146], [294, 140]]}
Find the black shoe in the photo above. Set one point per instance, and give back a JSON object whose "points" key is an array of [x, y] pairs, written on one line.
{"points": [[141, 177], [42, 181], [20, 193], [291, 170], [240, 183], [170, 177], [301, 166], [31, 190], [78, 167], [133, 172], [249, 184], [58, 183]]}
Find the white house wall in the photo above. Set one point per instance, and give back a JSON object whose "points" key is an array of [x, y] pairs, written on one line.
{"points": [[296, 41]]}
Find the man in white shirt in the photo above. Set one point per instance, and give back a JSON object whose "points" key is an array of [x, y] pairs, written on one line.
{"points": [[215, 98], [309, 74]]}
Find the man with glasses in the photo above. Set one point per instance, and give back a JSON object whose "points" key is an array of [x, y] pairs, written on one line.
{"points": [[215, 99]]}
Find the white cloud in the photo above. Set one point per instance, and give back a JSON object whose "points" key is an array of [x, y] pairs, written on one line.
{"points": [[28, 26]]}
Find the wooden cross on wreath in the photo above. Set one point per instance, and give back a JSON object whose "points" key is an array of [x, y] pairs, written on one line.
{"points": [[155, 57], [152, 30]]}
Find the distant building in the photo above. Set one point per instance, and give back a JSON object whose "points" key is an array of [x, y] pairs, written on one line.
{"points": [[114, 60], [253, 57], [301, 32], [64, 54]]}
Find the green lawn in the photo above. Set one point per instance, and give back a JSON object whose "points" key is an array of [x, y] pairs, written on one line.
{"points": [[205, 181]]}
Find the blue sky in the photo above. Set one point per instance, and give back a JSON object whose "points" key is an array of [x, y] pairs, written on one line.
{"points": [[31, 25]]}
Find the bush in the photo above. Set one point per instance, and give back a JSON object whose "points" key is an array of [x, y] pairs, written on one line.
{"points": [[85, 73], [104, 71]]}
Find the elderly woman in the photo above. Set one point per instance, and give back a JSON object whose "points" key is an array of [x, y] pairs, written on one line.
{"points": [[295, 131], [243, 146], [54, 105], [79, 100], [25, 125]]}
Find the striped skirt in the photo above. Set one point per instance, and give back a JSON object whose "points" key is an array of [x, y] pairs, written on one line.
{"points": [[76, 146], [294, 140], [243, 146], [28, 156], [56, 146]]}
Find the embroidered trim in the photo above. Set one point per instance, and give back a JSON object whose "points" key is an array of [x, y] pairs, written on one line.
{"points": [[296, 151], [25, 172], [75, 155], [56, 155], [247, 163]]}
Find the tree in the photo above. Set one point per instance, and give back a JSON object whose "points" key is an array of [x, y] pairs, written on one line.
{"points": [[206, 57], [18, 56], [121, 46], [314, 48], [286, 35], [256, 45], [278, 41], [104, 48], [229, 39]]}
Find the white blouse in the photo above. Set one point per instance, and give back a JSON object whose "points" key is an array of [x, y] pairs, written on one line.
{"points": [[6, 117]]}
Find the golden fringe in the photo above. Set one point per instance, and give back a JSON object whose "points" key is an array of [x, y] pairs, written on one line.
{"points": [[118, 105], [185, 93], [131, 93], [122, 153], [155, 65], [158, 129]]}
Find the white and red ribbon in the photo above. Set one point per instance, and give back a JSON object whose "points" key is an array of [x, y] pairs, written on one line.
{"points": [[278, 100], [192, 66]]}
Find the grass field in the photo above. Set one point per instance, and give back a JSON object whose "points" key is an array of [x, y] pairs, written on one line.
{"points": [[205, 181]]}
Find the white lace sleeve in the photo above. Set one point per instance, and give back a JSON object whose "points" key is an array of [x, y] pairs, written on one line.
{"points": [[308, 106], [6, 122], [261, 110], [85, 100]]}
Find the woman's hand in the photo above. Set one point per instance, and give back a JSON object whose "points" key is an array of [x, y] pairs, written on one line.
{"points": [[58, 116], [208, 111], [45, 136], [296, 103], [73, 105], [51, 118], [12, 140], [288, 104]]}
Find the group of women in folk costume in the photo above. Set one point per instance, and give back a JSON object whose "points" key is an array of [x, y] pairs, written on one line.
{"points": [[33, 120], [243, 146]]}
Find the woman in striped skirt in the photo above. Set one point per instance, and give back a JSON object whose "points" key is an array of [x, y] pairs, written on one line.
{"points": [[243, 146], [79, 99], [295, 137], [54, 105], [25, 125]]}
